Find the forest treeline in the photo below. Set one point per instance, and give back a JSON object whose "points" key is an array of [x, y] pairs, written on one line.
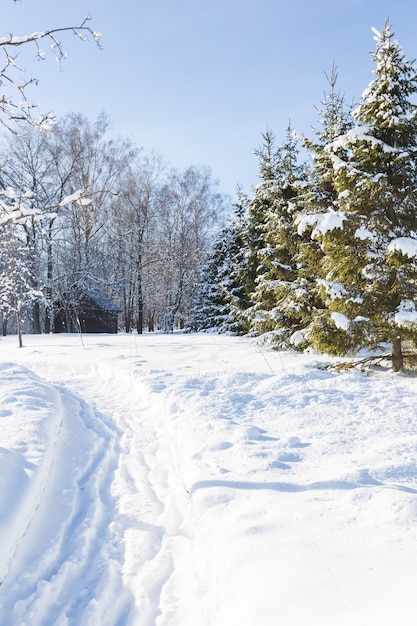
{"points": [[321, 253], [97, 213], [82, 212]]}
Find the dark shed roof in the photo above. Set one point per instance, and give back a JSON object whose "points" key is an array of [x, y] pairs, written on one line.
{"points": [[103, 302]]}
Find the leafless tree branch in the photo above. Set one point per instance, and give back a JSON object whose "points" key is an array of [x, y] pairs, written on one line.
{"points": [[16, 107]]}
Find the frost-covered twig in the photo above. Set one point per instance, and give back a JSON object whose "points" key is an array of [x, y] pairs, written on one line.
{"points": [[17, 108]]}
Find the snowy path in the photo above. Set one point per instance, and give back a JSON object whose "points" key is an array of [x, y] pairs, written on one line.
{"points": [[70, 545], [183, 480], [109, 515]]}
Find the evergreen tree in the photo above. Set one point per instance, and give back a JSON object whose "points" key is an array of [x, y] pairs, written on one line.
{"points": [[239, 283], [318, 201], [257, 209], [369, 244], [219, 297], [279, 295], [211, 310]]}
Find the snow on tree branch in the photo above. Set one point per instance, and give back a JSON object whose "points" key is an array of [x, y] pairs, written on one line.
{"points": [[15, 107], [405, 245], [78, 196], [406, 314], [82, 32], [321, 222], [15, 208]]}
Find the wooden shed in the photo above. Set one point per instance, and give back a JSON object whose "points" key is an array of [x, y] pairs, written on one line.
{"points": [[89, 311]]}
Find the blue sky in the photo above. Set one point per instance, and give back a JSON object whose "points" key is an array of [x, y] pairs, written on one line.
{"points": [[200, 81]]}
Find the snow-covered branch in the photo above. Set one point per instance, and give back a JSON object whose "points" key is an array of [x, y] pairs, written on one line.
{"points": [[83, 31], [78, 196], [16, 107], [14, 207], [321, 222]]}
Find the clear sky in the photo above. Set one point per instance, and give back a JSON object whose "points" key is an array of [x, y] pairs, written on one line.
{"points": [[200, 81]]}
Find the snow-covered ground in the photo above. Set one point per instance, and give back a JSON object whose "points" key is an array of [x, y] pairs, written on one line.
{"points": [[197, 480]]}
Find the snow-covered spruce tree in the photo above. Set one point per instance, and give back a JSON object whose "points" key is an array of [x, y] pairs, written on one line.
{"points": [[370, 257], [279, 296], [239, 282], [257, 208], [220, 296], [210, 309], [318, 203]]}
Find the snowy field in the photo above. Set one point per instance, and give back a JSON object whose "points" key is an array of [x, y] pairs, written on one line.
{"points": [[197, 480]]}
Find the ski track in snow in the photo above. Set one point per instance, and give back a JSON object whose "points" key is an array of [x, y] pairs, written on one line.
{"points": [[153, 477], [74, 546], [97, 540]]}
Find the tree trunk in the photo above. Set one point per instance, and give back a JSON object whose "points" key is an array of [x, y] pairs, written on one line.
{"points": [[128, 323], [151, 321], [36, 315], [128, 309], [397, 355], [19, 328], [139, 325], [48, 293]]}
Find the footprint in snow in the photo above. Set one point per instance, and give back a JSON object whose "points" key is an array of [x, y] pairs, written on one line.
{"points": [[279, 465], [295, 442], [289, 457]]}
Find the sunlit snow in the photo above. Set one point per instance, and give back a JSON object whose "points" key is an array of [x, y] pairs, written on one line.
{"points": [[322, 222], [333, 290], [405, 245], [199, 480], [363, 234], [406, 314], [340, 321]]}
